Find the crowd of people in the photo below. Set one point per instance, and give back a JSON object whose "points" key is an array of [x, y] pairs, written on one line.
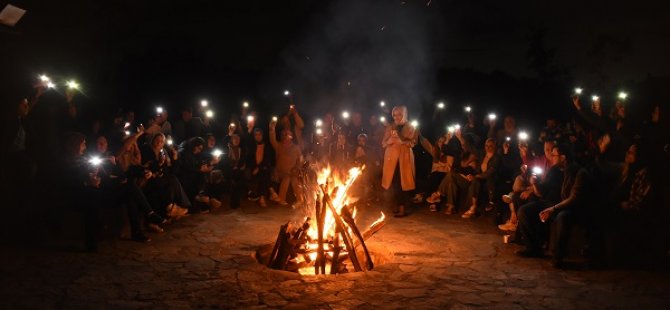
{"points": [[603, 172]]}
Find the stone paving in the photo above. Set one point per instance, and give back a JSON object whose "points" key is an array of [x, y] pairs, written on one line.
{"points": [[435, 261]]}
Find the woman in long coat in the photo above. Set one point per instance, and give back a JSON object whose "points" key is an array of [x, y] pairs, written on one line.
{"points": [[398, 171]]}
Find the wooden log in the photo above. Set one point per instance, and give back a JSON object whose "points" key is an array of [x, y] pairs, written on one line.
{"points": [[323, 212], [275, 249], [349, 219], [335, 262], [319, 229], [346, 239], [283, 250], [370, 232]]}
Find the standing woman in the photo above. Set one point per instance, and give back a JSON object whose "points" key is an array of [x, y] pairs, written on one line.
{"points": [[398, 170]]}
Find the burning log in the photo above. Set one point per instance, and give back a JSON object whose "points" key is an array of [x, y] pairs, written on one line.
{"points": [[279, 248], [349, 219], [345, 235], [320, 264], [373, 229], [335, 263]]}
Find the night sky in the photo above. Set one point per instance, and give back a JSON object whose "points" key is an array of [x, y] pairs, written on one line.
{"points": [[333, 53]]}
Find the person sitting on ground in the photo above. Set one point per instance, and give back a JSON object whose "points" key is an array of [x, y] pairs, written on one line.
{"points": [[463, 178], [565, 211], [233, 169], [193, 170], [259, 168], [439, 168], [157, 179]]}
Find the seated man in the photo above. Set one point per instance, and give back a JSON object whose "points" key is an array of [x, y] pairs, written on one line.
{"points": [[562, 208]]}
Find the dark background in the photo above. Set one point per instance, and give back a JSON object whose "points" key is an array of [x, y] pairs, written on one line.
{"points": [[523, 57]]}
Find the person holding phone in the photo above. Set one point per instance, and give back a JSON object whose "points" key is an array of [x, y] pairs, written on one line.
{"points": [[398, 172]]}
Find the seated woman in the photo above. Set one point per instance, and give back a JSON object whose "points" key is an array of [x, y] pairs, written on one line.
{"points": [[259, 168], [522, 192], [463, 178], [81, 184], [194, 168], [488, 171], [439, 169], [233, 169], [126, 174], [153, 175]]}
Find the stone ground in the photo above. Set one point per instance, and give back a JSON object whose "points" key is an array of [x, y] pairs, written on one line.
{"points": [[435, 261]]}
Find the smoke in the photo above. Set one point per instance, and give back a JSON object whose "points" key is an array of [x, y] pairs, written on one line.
{"points": [[358, 53]]}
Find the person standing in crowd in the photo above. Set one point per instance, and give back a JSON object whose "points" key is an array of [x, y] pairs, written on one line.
{"points": [[288, 160], [292, 122], [398, 170]]}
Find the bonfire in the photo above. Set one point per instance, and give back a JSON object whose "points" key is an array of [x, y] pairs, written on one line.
{"points": [[328, 241]]}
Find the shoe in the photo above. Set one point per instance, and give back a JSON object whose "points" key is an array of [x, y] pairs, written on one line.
{"points": [[261, 202], [282, 203], [273, 196], [401, 212], [205, 211], [139, 237], [508, 226], [214, 203], [202, 199], [251, 196], [434, 198], [154, 218], [175, 211], [418, 198], [155, 228], [529, 253], [507, 198], [468, 214], [433, 208], [450, 210], [489, 207]]}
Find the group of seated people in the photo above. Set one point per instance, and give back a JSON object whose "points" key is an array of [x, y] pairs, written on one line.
{"points": [[601, 172]]}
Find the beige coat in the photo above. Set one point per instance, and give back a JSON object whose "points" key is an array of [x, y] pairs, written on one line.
{"points": [[399, 153]]}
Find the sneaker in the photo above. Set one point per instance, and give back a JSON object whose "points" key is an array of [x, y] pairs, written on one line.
{"points": [[274, 197], [433, 208], [261, 202], [450, 210], [434, 198], [508, 226], [282, 203], [154, 218], [418, 198], [507, 198], [251, 196], [468, 214], [139, 237], [489, 207]]}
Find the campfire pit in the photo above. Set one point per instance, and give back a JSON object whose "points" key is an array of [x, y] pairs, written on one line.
{"points": [[329, 240]]}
